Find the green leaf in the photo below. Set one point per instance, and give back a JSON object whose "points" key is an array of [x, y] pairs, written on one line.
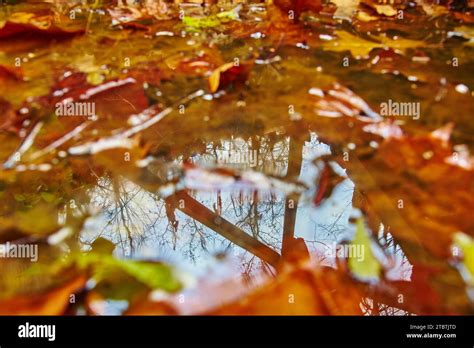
{"points": [[156, 276], [48, 196], [153, 275], [200, 23], [194, 23], [19, 197], [367, 266], [40, 219]]}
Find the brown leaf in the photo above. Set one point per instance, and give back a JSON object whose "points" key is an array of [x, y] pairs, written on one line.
{"points": [[300, 290], [328, 180], [54, 302], [11, 73], [35, 23], [8, 119], [322, 291]]}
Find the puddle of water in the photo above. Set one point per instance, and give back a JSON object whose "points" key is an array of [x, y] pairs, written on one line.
{"points": [[224, 181]]}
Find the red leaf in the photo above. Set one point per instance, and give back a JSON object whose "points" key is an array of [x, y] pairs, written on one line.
{"points": [[299, 6], [328, 180]]}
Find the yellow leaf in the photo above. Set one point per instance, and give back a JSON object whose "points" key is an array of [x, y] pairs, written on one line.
{"points": [[365, 17], [21, 17], [466, 32], [349, 42], [215, 78], [365, 266], [385, 10], [432, 9], [361, 47], [95, 78], [466, 244], [42, 23], [345, 8]]}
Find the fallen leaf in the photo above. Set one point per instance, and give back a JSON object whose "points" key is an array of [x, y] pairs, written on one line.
{"points": [[197, 23], [385, 10], [327, 181], [21, 22], [53, 302], [297, 7], [345, 8], [227, 74], [215, 78], [12, 73], [366, 268], [360, 47], [321, 291], [466, 244]]}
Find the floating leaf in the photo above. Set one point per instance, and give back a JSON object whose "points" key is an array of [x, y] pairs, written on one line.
{"points": [[327, 182], [23, 22], [215, 78], [53, 302], [197, 23], [385, 10], [33, 216], [227, 74], [345, 8], [361, 47], [366, 267], [466, 244], [48, 196], [153, 275]]}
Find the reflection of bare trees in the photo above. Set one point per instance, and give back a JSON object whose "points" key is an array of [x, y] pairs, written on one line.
{"points": [[372, 307], [400, 267], [271, 152], [126, 219], [254, 223], [131, 224], [205, 216], [254, 211], [295, 158], [250, 219]]}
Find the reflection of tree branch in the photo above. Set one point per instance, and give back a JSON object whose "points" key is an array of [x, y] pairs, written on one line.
{"points": [[295, 158], [121, 208], [205, 216]]}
